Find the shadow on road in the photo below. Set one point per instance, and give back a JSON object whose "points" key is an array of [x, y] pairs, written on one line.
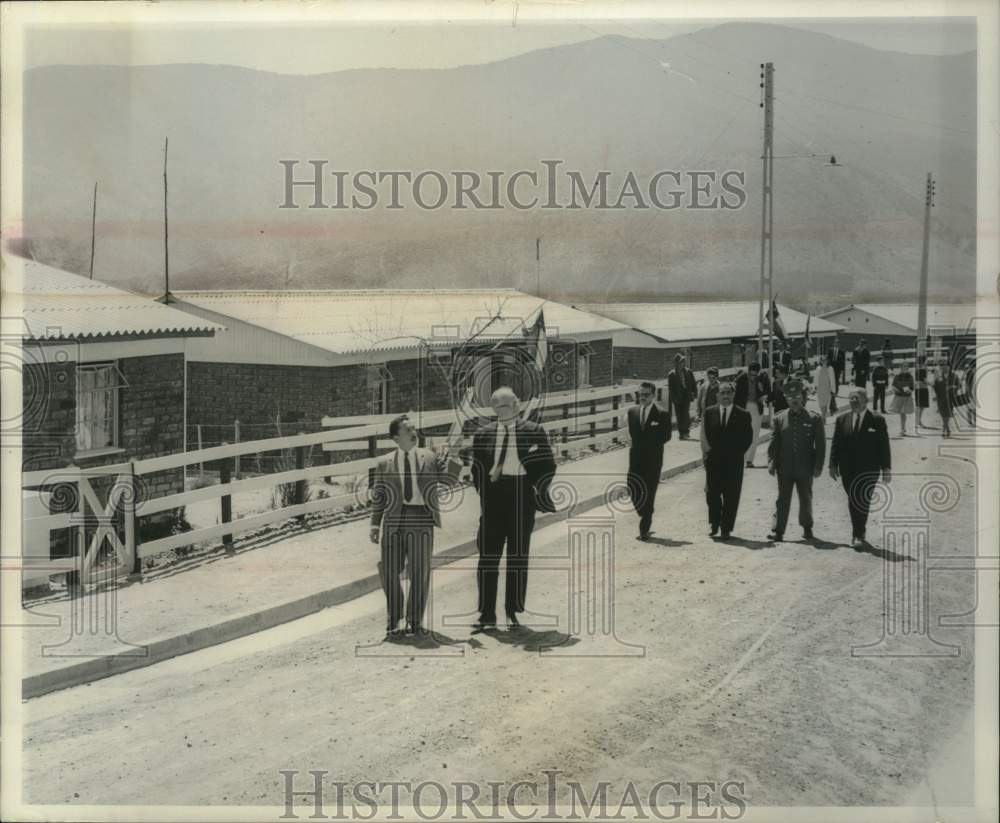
{"points": [[882, 554], [746, 544], [666, 541], [534, 641]]}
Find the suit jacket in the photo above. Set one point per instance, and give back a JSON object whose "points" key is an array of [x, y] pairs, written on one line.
{"points": [[725, 446], [743, 389], [682, 387], [784, 359], [646, 451], [839, 358], [387, 490], [862, 359], [867, 451], [534, 452], [778, 401]]}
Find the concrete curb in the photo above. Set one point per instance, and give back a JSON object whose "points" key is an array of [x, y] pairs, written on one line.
{"points": [[159, 650]]}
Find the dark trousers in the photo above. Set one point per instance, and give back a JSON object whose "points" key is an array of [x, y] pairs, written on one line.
{"points": [[838, 376], [643, 481], [859, 488], [723, 484], [879, 398], [804, 486], [407, 539], [682, 414], [860, 378], [508, 518]]}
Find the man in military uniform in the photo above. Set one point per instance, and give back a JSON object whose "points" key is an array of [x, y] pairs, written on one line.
{"points": [[795, 454]]}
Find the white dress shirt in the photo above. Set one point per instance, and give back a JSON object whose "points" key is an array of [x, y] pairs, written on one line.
{"points": [[512, 463], [417, 499]]}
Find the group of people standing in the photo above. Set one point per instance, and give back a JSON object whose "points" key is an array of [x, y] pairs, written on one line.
{"points": [[512, 465]]}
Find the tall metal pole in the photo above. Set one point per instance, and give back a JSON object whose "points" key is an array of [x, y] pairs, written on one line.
{"points": [[538, 266], [93, 233], [921, 346], [767, 216], [166, 247]]}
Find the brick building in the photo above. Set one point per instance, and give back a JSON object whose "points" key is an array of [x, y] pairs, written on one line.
{"points": [[708, 334], [290, 358], [103, 373]]}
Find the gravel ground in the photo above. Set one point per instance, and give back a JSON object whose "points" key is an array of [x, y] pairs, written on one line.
{"points": [[745, 672]]}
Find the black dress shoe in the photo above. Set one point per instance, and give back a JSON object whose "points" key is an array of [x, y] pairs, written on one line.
{"points": [[644, 537], [749, 464], [393, 632], [512, 622], [726, 535], [415, 629], [486, 625], [807, 534], [776, 537], [714, 530]]}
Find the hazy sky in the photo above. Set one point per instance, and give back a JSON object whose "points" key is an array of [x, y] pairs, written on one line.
{"points": [[327, 47]]}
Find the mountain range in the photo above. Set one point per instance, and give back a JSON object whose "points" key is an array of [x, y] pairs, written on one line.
{"points": [[849, 231]]}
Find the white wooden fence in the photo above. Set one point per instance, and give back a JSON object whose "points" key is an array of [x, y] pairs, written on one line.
{"points": [[575, 420]]}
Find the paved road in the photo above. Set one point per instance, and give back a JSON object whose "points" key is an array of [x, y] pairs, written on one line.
{"points": [[732, 661]]}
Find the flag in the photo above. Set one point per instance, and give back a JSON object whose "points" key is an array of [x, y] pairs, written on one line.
{"points": [[774, 322], [537, 339], [808, 339]]}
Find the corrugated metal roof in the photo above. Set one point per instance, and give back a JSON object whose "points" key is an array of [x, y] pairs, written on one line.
{"points": [[959, 316], [346, 322], [59, 305], [680, 322]]}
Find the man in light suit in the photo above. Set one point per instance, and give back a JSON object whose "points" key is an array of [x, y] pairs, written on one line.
{"points": [[726, 433], [649, 429], [512, 467], [859, 453], [405, 511]]}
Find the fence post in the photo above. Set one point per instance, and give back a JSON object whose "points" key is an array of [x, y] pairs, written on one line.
{"points": [[615, 404], [201, 466], [132, 524], [565, 430], [236, 439], [226, 502], [300, 485], [593, 425]]}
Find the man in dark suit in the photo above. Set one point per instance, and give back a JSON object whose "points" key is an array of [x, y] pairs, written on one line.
{"points": [[405, 509], [860, 451], [683, 390], [512, 467], [839, 359], [783, 358], [649, 429], [861, 364], [753, 392], [726, 432]]}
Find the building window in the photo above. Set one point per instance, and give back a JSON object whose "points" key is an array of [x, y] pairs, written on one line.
{"points": [[378, 378], [583, 365], [97, 387]]}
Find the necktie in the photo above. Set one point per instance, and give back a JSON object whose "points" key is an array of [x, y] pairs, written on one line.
{"points": [[724, 418], [857, 422], [498, 467], [407, 479], [642, 417]]}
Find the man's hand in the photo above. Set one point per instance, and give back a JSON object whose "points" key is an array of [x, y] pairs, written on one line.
{"points": [[834, 473], [818, 471], [772, 469], [886, 476], [373, 534]]}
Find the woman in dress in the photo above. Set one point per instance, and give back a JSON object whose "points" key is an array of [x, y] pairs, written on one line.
{"points": [[922, 396], [903, 385], [945, 391], [825, 385]]}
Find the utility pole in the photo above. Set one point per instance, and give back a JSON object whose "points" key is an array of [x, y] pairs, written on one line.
{"points": [[921, 346], [167, 296], [767, 216], [538, 266], [93, 232]]}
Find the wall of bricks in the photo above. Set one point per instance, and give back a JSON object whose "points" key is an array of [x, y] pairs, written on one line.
{"points": [[655, 364]]}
